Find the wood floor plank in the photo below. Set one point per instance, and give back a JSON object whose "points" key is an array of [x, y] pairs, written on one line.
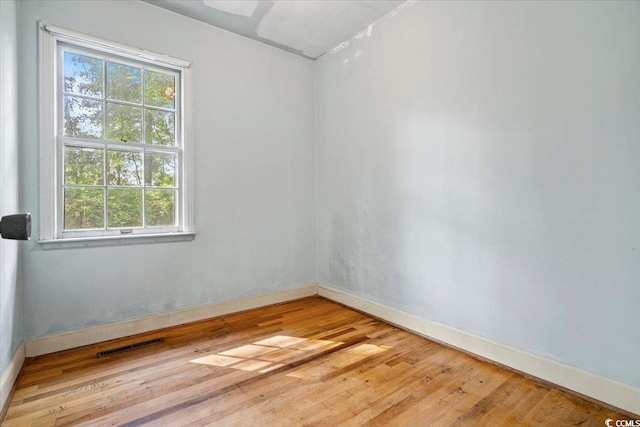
{"points": [[307, 362]]}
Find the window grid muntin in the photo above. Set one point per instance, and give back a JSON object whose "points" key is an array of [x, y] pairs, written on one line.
{"points": [[105, 144], [140, 148], [177, 78]]}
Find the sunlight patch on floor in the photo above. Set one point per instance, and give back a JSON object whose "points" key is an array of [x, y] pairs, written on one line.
{"points": [[339, 360], [265, 355]]}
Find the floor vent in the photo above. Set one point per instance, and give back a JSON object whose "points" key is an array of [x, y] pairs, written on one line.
{"points": [[129, 347]]}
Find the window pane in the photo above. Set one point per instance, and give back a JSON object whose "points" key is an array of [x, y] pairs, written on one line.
{"points": [[124, 123], [124, 83], [160, 127], [124, 207], [83, 208], [161, 169], [125, 168], [160, 207], [83, 75], [82, 117], [159, 89], [83, 166]]}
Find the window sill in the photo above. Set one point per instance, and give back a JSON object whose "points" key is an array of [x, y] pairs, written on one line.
{"points": [[85, 242]]}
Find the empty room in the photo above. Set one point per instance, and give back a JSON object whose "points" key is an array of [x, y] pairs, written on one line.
{"points": [[319, 213]]}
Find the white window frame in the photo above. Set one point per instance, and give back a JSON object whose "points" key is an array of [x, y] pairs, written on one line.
{"points": [[52, 40]]}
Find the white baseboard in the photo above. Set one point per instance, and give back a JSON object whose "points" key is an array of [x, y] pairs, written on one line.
{"points": [[614, 393], [10, 374], [96, 334]]}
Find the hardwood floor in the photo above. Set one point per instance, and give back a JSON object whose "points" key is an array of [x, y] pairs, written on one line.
{"points": [[309, 362]]}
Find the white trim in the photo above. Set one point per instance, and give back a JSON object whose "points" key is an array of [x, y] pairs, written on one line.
{"points": [[74, 37], [187, 172], [10, 374], [93, 335], [52, 144], [48, 129], [606, 390], [116, 240]]}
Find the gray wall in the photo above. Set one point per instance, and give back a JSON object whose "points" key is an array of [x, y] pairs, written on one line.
{"points": [[10, 289], [254, 177], [479, 166]]}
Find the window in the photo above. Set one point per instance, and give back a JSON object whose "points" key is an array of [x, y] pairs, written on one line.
{"points": [[114, 156]]}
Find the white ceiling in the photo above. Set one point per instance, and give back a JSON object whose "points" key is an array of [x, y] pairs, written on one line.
{"points": [[306, 27]]}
